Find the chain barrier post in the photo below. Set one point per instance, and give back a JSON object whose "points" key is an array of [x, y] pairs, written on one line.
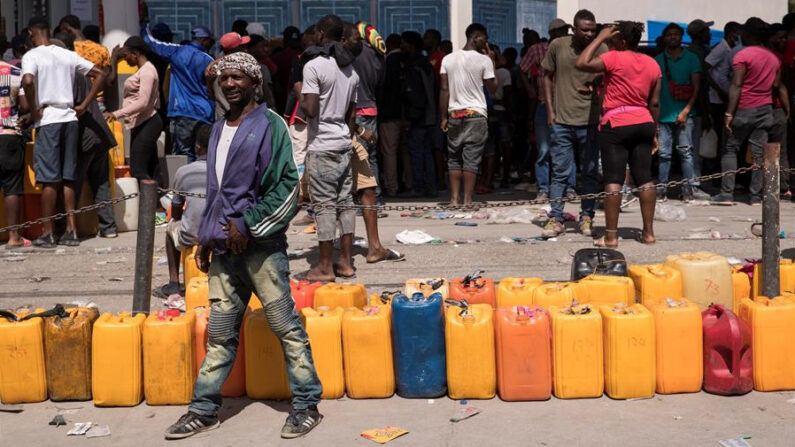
{"points": [[145, 246], [770, 220]]}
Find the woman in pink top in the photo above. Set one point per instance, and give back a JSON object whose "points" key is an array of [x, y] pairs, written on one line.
{"points": [[628, 129], [139, 109]]}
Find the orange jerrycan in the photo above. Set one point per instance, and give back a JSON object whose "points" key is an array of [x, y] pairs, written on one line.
{"points": [[605, 290], [772, 332], [189, 269], [706, 278], [324, 327], [67, 347], [629, 351], [517, 291], [169, 366], [367, 353], [655, 282], [334, 295], [116, 360], [679, 345], [577, 352], [235, 385], [197, 292], [428, 286], [23, 377], [469, 342], [266, 370], [303, 293], [786, 278], [474, 289], [524, 353], [741, 284], [557, 294]]}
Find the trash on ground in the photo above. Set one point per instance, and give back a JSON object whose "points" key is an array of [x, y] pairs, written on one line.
{"points": [[120, 261], [7, 408], [15, 258], [415, 237], [506, 240], [552, 239], [58, 420], [72, 410], [383, 435], [714, 219], [669, 213], [162, 260], [735, 442], [60, 251], [360, 242], [115, 279], [677, 418], [175, 301], [464, 413], [38, 278], [103, 250], [431, 401], [465, 224], [297, 253], [79, 429], [515, 215], [98, 431], [791, 401], [736, 261], [569, 217], [310, 229]]}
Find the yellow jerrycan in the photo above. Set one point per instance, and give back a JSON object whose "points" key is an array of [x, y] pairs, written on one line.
{"points": [[786, 278], [67, 348], [516, 291], [324, 328], [334, 295], [706, 278], [469, 342], [605, 290], [741, 284], [197, 292], [266, 370], [679, 343], [772, 323], [655, 282], [629, 351], [557, 294], [116, 360], [169, 366], [428, 286], [23, 377], [577, 352], [367, 352]]}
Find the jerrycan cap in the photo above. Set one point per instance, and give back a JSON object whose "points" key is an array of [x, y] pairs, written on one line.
{"points": [[518, 282], [524, 314], [163, 315], [323, 309], [621, 308], [673, 303], [576, 308], [434, 283], [471, 280]]}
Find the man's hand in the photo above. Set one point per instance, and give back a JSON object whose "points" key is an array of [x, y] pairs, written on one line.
{"points": [[727, 122], [681, 119], [444, 125], [36, 114], [367, 135], [203, 259], [586, 90], [656, 146], [235, 241], [108, 116], [80, 109], [551, 117]]}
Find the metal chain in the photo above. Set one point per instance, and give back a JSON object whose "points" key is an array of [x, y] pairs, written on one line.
{"points": [[503, 204], [411, 208]]}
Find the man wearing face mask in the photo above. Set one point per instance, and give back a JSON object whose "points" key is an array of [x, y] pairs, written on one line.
{"points": [[252, 193], [572, 114]]}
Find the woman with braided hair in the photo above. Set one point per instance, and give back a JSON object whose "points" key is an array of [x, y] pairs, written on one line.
{"points": [[628, 127]]}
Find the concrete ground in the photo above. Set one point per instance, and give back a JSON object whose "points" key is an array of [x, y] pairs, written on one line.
{"points": [[90, 272]]}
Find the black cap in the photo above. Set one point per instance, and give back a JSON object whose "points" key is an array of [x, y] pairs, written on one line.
{"points": [[675, 26], [291, 33]]}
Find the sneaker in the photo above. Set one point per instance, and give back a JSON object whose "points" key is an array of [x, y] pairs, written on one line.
{"points": [[45, 241], [699, 194], [756, 200], [687, 195], [301, 422], [661, 195], [542, 195], [166, 290], [553, 228], [69, 239], [109, 235], [586, 226], [190, 424], [722, 199]]}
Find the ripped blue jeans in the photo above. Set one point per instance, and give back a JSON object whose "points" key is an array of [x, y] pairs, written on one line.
{"points": [[264, 270]]}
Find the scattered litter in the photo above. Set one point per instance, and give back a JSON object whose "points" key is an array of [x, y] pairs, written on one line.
{"points": [[677, 418], [15, 258], [640, 398], [464, 413], [103, 250], [115, 279], [60, 251], [736, 442], [38, 278], [383, 435], [71, 410], [121, 260], [516, 215], [415, 237], [292, 254], [782, 234], [552, 239], [79, 429], [310, 229], [465, 224], [58, 420], [669, 213], [462, 401], [791, 401], [150, 415], [506, 240], [175, 301], [736, 261], [569, 217], [431, 401], [714, 219], [162, 260], [360, 242], [4, 408], [98, 431]]}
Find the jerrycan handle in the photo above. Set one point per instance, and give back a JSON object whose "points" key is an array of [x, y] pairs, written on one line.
{"points": [[459, 303], [524, 314], [8, 315], [57, 311], [385, 295], [736, 335], [472, 278], [434, 284]]}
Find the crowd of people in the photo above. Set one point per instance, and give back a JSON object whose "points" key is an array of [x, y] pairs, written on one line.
{"points": [[336, 115]]}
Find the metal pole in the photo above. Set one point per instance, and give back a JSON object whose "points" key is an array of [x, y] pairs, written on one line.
{"points": [[770, 220], [145, 246]]}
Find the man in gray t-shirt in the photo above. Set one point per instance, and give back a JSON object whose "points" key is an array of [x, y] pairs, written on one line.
{"points": [[186, 212]]}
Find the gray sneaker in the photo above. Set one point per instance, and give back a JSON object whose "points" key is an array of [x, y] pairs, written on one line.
{"points": [[301, 422], [190, 424], [722, 199], [699, 194]]}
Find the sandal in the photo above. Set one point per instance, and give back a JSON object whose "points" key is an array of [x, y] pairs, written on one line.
{"points": [[339, 275], [391, 256], [25, 244], [601, 241]]}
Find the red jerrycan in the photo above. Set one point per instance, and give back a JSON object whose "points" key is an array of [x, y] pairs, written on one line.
{"points": [[728, 363], [303, 293]]}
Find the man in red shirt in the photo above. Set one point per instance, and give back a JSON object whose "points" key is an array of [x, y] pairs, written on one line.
{"points": [[432, 39]]}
